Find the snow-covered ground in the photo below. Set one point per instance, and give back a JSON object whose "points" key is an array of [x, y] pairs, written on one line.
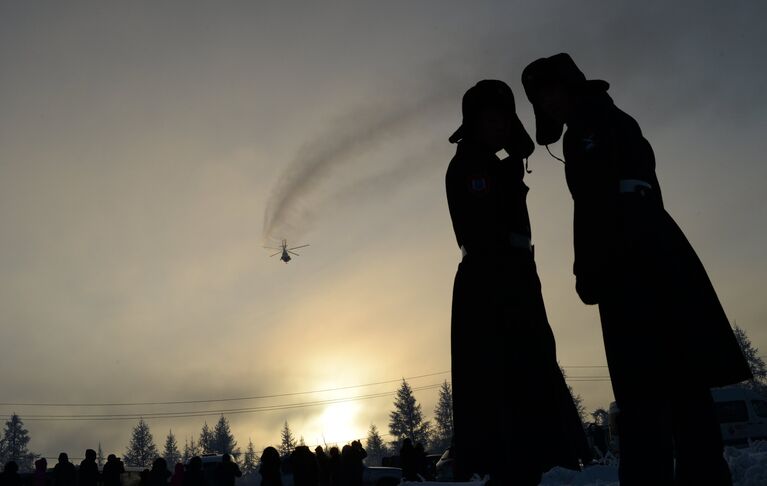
{"points": [[748, 466]]}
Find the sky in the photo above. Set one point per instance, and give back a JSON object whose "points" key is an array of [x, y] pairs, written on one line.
{"points": [[148, 150]]}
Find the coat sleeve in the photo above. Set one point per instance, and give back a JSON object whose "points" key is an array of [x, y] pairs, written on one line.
{"points": [[595, 180]]}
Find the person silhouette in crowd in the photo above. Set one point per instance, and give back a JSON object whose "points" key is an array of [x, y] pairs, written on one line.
{"points": [[88, 473], [178, 475], [408, 461], [357, 468], [335, 466], [145, 478], [305, 471], [420, 461], [112, 471], [667, 338], [159, 474], [65, 473], [269, 468], [194, 475], [347, 466], [506, 381], [10, 475], [323, 466], [40, 477], [227, 471]]}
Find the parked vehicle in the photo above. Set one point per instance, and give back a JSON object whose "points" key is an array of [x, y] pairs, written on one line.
{"points": [[742, 415]]}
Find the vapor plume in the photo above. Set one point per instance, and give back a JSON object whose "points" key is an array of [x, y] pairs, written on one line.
{"points": [[313, 173]]}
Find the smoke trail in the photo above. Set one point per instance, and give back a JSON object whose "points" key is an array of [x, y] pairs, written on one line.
{"points": [[343, 142]]}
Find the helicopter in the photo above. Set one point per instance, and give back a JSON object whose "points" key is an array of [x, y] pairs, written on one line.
{"points": [[285, 251]]}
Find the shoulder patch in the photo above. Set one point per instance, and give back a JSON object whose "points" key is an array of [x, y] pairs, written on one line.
{"points": [[588, 142], [477, 183]]}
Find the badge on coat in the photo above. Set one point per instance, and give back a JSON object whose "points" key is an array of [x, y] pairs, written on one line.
{"points": [[478, 184], [588, 143]]}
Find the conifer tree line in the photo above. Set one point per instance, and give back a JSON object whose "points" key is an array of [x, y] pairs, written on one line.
{"points": [[406, 420]]}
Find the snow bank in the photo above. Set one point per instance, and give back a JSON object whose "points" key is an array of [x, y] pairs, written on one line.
{"points": [[591, 476], [748, 467]]}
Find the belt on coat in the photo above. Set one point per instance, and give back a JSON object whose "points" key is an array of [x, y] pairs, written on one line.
{"points": [[516, 241]]}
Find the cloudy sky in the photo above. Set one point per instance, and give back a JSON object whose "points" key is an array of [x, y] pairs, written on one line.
{"points": [[148, 150]]}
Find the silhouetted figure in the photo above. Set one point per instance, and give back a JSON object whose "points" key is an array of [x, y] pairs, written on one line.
{"points": [[667, 338], [407, 460], [10, 475], [178, 475], [323, 466], [269, 468], [194, 475], [358, 466], [145, 478], [112, 470], [598, 435], [501, 341], [40, 477], [347, 466], [159, 474], [88, 472], [65, 473], [335, 467], [420, 461], [304, 464], [227, 471]]}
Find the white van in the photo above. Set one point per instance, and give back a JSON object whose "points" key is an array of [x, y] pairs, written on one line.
{"points": [[742, 415]]}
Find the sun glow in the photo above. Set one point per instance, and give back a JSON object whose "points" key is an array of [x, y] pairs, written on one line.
{"points": [[337, 423]]}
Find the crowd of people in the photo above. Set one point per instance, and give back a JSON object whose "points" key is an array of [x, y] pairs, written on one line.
{"points": [[65, 473], [337, 467]]}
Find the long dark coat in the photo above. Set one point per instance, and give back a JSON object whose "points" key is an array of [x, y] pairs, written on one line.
{"points": [[661, 318], [514, 416]]}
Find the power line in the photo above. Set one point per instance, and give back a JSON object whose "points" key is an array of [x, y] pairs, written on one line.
{"points": [[244, 410], [233, 399], [213, 400], [203, 413]]}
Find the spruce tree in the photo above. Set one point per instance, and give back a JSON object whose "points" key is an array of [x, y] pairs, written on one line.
{"points": [[186, 454], [406, 420], [14, 444], [601, 417], [100, 456], [191, 449], [250, 459], [288, 442], [207, 441], [141, 451], [577, 399], [375, 447], [443, 417], [223, 440], [194, 448], [170, 453], [755, 362]]}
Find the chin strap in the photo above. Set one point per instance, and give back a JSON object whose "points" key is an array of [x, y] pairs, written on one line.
{"points": [[549, 151]]}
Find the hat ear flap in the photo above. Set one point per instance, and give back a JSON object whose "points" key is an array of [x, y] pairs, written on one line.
{"points": [[547, 130]]}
